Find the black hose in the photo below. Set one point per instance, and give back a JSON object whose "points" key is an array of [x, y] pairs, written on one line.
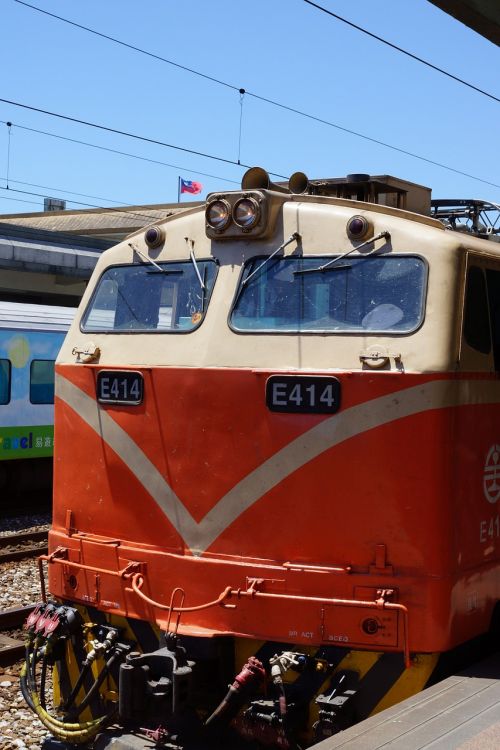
{"points": [[95, 687], [31, 657], [26, 693], [43, 677], [72, 696]]}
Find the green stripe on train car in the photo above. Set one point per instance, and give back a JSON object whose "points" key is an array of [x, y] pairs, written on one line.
{"points": [[26, 442]]}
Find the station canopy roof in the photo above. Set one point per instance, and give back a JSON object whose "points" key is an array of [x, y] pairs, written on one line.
{"points": [[481, 15]]}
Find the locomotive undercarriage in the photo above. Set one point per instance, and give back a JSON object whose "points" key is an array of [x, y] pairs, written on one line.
{"points": [[144, 686]]}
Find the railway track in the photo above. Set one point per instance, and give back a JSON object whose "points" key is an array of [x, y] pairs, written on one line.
{"points": [[23, 536], [22, 544], [13, 547], [12, 649]]}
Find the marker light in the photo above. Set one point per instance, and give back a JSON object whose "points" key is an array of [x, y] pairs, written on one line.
{"points": [[218, 214], [246, 212], [358, 227], [154, 237]]}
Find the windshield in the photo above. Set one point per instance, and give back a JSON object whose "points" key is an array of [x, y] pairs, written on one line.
{"points": [[167, 297], [359, 294]]}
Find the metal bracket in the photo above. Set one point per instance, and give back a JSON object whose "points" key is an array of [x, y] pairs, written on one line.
{"points": [[378, 356], [87, 353]]}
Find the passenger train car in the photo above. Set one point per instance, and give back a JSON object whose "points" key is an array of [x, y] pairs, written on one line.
{"points": [[30, 338], [277, 457]]}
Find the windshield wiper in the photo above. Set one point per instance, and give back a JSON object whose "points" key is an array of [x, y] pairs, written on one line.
{"points": [[158, 269], [195, 265], [328, 266], [244, 282], [295, 236], [322, 269]]}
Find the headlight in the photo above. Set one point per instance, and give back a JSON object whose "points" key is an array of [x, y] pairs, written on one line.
{"points": [[218, 214], [246, 213]]}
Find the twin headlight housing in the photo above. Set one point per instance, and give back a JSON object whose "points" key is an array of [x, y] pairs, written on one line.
{"points": [[235, 214]]}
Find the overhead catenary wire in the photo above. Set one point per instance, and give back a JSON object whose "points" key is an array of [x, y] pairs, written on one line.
{"points": [[219, 81], [398, 49], [125, 133], [109, 209], [66, 191], [267, 100], [19, 200], [120, 153], [129, 46], [231, 161]]}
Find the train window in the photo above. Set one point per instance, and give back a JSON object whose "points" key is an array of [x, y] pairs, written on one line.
{"points": [[42, 381], [311, 294], [5, 367], [169, 297], [476, 320]]}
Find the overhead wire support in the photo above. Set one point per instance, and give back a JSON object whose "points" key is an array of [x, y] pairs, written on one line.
{"points": [[9, 128], [242, 96], [400, 49]]}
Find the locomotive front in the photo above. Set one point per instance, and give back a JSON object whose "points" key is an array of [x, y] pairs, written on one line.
{"points": [[251, 410]]}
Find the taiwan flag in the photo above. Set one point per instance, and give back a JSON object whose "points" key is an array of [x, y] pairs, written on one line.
{"points": [[188, 186]]}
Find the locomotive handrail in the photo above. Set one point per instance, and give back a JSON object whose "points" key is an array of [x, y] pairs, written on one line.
{"points": [[138, 581], [379, 603], [252, 592], [316, 568], [60, 555]]}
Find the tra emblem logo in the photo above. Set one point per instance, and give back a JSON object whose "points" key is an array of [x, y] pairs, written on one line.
{"points": [[491, 476]]}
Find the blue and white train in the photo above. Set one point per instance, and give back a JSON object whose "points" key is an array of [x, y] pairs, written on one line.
{"points": [[30, 338]]}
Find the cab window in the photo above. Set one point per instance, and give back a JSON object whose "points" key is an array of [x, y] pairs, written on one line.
{"points": [[331, 294], [167, 297]]}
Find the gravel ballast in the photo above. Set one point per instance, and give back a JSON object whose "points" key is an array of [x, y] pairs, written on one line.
{"points": [[19, 586]]}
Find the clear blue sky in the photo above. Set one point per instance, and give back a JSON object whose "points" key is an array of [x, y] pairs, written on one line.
{"points": [[283, 50]]}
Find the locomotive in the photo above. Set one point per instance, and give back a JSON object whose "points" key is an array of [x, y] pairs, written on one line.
{"points": [[277, 467]]}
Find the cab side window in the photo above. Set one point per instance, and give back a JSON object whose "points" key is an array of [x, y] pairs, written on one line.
{"points": [[493, 284], [476, 318]]}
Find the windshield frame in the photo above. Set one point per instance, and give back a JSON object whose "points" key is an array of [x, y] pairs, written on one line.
{"points": [[151, 331], [240, 290]]}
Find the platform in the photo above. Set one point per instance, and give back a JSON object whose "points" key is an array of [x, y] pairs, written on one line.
{"points": [[459, 713]]}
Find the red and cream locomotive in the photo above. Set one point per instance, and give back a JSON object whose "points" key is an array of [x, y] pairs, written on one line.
{"points": [[277, 455]]}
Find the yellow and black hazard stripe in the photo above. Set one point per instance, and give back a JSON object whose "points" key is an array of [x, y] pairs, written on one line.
{"points": [[382, 679], [142, 636]]}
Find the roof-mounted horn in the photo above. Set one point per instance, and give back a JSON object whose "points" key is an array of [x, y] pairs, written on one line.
{"points": [[298, 183], [257, 178]]}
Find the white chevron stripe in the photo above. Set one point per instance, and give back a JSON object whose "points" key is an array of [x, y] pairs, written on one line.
{"points": [[436, 394]]}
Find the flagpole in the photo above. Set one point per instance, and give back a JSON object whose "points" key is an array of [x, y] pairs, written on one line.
{"points": [[178, 189]]}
